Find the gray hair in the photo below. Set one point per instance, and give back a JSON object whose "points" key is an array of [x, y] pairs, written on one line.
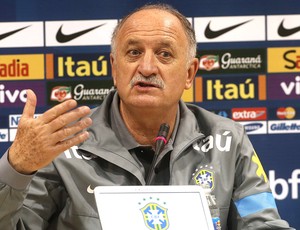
{"points": [[189, 31]]}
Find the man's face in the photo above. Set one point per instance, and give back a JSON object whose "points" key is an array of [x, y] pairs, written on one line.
{"points": [[150, 66]]}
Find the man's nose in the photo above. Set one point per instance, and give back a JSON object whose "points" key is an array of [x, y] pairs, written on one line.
{"points": [[148, 65]]}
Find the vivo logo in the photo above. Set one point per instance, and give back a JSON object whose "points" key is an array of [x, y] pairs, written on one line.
{"points": [[11, 96]]}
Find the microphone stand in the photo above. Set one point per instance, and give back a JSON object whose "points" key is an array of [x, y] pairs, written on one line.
{"points": [[160, 142]]}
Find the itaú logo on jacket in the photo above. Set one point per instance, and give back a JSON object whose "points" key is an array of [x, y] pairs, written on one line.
{"points": [[220, 141]]}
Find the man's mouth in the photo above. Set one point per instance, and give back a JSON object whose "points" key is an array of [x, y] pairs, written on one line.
{"points": [[145, 84]]}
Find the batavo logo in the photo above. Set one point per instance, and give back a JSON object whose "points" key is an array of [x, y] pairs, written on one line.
{"points": [[284, 59], [77, 66], [22, 67], [249, 114], [84, 92], [286, 113], [232, 61], [230, 88], [283, 86], [13, 94]]}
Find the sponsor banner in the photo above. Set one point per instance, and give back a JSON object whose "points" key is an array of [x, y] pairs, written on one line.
{"points": [[188, 95], [255, 127], [285, 59], [230, 88], [79, 32], [22, 67], [84, 92], [283, 86], [283, 127], [14, 119], [284, 113], [13, 94], [222, 112], [249, 114], [232, 61], [12, 134], [230, 28], [21, 34], [81, 66], [282, 188], [283, 27], [13, 122], [4, 135]]}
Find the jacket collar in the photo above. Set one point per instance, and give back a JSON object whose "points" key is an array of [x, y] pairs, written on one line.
{"points": [[104, 143]]}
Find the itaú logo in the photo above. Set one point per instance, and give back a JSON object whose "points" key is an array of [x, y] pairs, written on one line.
{"points": [[281, 188], [230, 88]]}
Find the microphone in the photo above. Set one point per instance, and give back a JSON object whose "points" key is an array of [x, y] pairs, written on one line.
{"points": [[161, 139], [160, 142]]}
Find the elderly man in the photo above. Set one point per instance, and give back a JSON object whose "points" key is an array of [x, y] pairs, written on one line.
{"points": [[153, 62]]}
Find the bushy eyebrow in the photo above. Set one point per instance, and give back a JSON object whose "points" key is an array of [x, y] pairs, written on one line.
{"points": [[132, 42], [161, 43]]}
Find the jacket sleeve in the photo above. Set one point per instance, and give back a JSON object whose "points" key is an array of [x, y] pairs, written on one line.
{"points": [[27, 200], [253, 201]]}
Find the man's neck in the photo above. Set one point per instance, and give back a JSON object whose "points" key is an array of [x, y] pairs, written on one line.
{"points": [[144, 125]]}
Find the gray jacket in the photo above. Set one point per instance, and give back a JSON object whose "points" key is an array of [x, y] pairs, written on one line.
{"points": [[208, 150]]}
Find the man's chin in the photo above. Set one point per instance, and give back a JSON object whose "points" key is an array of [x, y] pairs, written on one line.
{"points": [[149, 103]]}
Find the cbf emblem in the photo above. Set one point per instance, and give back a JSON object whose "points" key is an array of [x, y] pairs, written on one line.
{"points": [[155, 217], [204, 177]]}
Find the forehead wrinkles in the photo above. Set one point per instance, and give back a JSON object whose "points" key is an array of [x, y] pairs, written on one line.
{"points": [[144, 31], [152, 23]]}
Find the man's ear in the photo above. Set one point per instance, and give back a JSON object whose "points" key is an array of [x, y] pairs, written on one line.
{"points": [[191, 73], [113, 68]]}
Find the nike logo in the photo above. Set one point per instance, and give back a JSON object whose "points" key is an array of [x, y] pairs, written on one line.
{"points": [[90, 190], [284, 32], [63, 38], [5, 35], [211, 34]]}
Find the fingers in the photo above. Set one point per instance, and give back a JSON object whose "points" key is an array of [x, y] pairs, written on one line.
{"points": [[30, 105], [70, 136], [68, 118], [68, 143], [57, 110], [67, 132]]}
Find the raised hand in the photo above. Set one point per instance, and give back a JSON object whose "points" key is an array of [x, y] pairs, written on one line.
{"points": [[39, 140]]}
